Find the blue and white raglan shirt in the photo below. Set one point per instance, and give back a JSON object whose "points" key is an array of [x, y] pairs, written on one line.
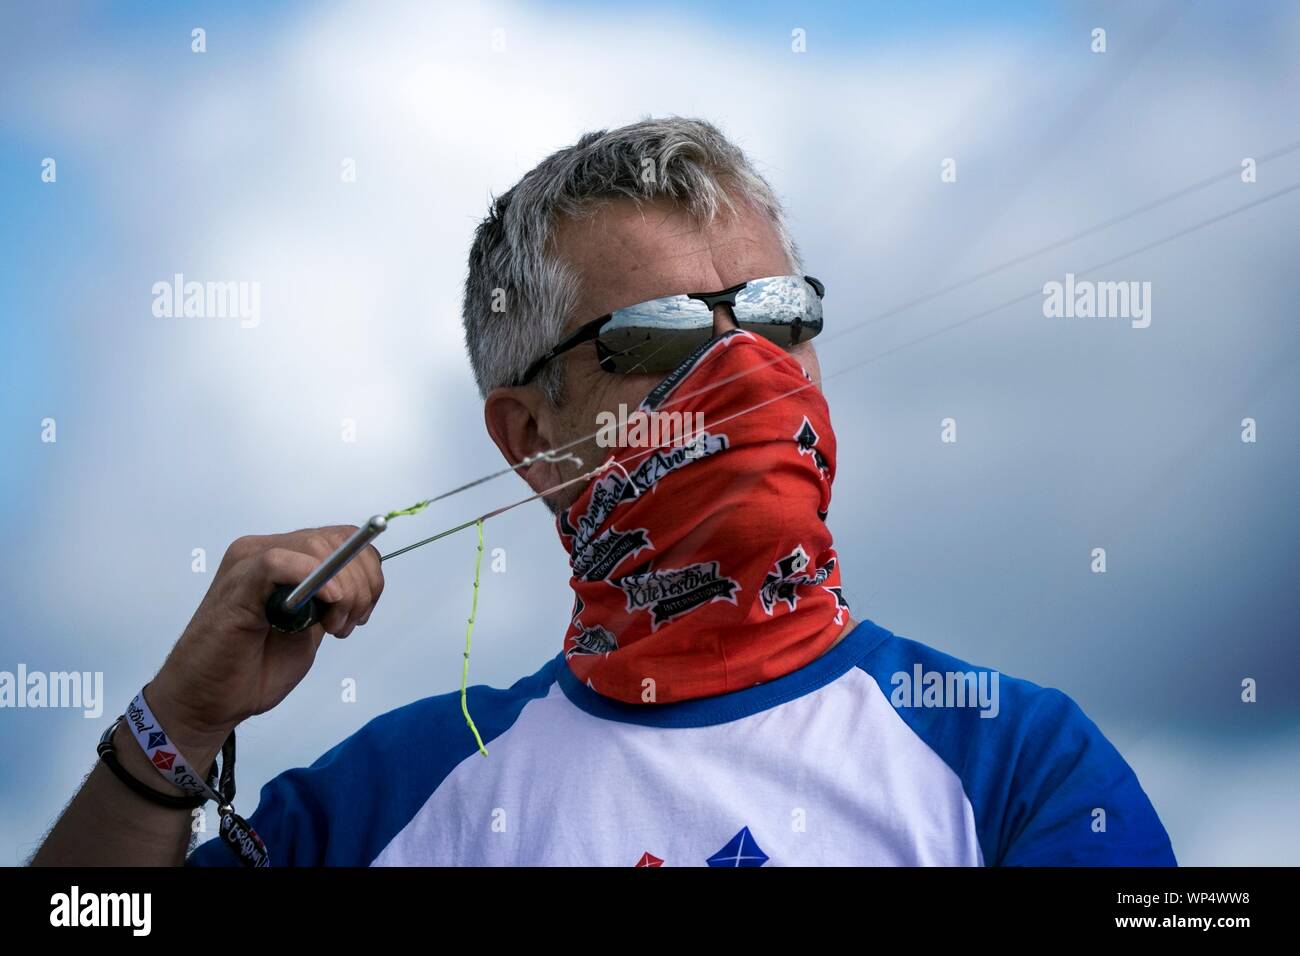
{"points": [[837, 763]]}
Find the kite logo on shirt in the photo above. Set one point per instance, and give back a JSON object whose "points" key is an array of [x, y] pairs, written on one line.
{"points": [[783, 583], [672, 592], [741, 850]]}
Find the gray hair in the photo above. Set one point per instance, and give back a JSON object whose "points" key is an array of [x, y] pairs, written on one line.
{"points": [[519, 294]]}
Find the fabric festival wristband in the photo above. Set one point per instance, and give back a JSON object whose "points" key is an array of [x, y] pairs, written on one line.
{"points": [[109, 757], [167, 759], [162, 753]]}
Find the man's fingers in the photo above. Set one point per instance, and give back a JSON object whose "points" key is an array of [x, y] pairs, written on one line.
{"points": [[369, 562], [358, 589], [338, 596], [277, 566], [335, 617], [285, 565], [349, 597], [363, 581]]}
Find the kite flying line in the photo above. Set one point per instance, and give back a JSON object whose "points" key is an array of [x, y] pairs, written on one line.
{"points": [[293, 610], [469, 636], [850, 328], [420, 506], [557, 454]]}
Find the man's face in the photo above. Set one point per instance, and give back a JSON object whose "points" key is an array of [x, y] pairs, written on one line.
{"points": [[625, 254]]}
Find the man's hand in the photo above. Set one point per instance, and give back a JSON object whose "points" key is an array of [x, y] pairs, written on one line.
{"points": [[228, 665]]}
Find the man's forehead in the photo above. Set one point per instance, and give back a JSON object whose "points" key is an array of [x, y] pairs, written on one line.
{"points": [[627, 253]]}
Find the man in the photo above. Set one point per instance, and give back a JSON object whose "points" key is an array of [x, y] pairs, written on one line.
{"points": [[713, 702]]}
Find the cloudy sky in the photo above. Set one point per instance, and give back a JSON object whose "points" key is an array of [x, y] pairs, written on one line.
{"points": [[179, 433]]}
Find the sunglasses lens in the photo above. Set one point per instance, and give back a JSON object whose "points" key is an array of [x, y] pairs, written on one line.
{"points": [[785, 310], [655, 337], [632, 350]]}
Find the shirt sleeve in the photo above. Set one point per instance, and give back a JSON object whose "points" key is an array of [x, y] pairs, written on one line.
{"points": [[1074, 800], [1046, 786], [345, 808]]}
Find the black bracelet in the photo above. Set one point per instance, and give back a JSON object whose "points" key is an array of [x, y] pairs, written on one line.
{"points": [[109, 756]]}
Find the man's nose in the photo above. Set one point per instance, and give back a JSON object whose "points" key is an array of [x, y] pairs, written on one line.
{"points": [[723, 320]]}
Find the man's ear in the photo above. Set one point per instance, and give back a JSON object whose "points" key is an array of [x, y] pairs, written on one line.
{"points": [[519, 422]]}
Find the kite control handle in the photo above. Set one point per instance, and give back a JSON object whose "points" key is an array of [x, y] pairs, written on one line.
{"points": [[294, 609], [282, 619]]}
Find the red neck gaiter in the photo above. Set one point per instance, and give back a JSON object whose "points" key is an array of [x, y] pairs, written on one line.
{"points": [[702, 563]]}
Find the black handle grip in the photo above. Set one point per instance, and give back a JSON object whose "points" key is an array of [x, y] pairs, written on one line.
{"points": [[290, 622]]}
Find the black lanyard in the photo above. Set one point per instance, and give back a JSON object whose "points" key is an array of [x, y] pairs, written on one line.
{"points": [[234, 830]]}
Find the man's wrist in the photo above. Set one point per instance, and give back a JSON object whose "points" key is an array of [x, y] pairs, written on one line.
{"points": [[135, 762], [200, 743], [198, 747]]}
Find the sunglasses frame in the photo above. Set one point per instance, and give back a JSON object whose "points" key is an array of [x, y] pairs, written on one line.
{"points": [[589, 331]]}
